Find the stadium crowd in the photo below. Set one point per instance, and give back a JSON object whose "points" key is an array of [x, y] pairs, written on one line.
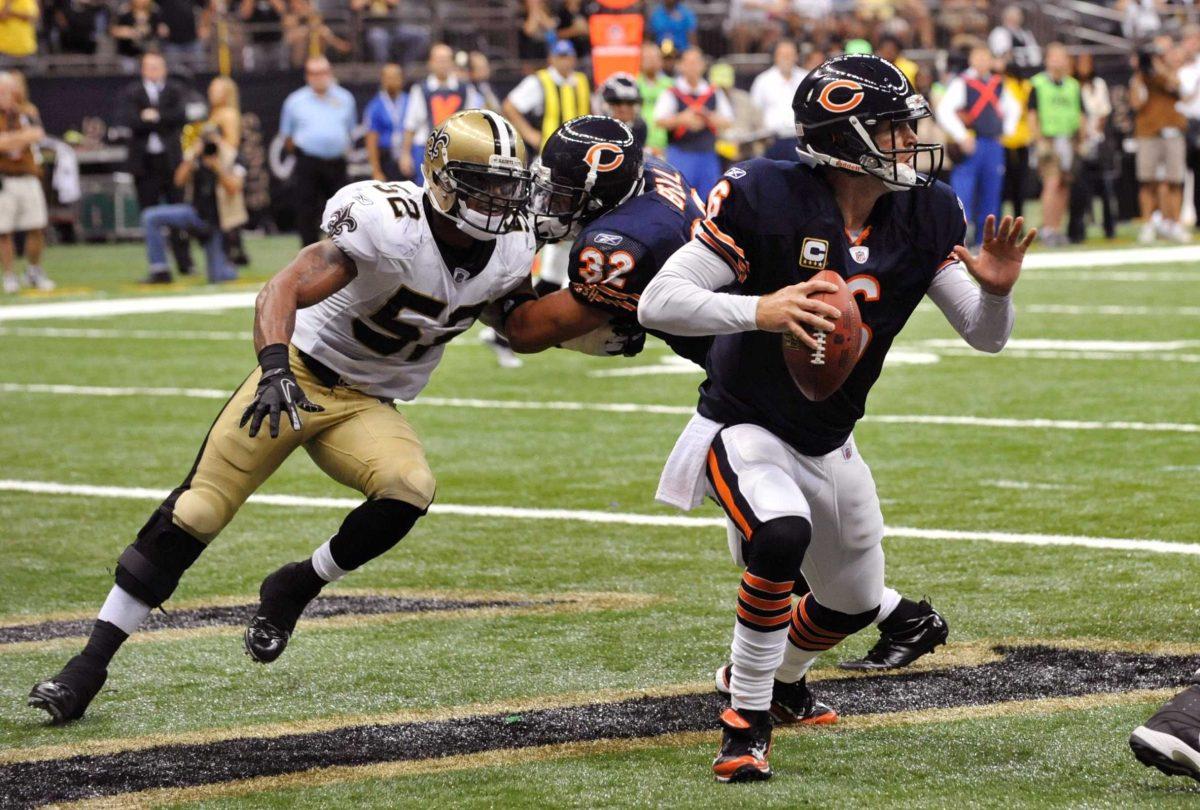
{"points": [[1021, 117]]}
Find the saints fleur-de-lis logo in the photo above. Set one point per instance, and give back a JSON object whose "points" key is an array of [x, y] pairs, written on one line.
{"points": [[341, 221], [438, 141]]}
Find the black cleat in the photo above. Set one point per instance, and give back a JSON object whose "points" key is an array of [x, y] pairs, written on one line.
{"points": [[744, 747], [1170, 740], [912, 639], [791, 703], [282, 598], [66, 696]]}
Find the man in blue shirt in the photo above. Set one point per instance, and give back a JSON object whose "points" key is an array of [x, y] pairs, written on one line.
{"points": [[675, 22], [384, 120], [317, 121]]}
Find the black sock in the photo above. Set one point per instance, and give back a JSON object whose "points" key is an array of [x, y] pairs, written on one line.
{"points": [[104, 642], [905, 611]]}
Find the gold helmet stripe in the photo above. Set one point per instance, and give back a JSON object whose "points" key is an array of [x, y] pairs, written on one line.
{"points": [[503, 132]]}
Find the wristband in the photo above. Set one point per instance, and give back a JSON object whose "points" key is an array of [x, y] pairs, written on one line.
{"points": [[274, 358]]}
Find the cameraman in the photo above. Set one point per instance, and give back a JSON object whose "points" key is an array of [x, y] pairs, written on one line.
{"points": [[1159, 130], [211, 180]]}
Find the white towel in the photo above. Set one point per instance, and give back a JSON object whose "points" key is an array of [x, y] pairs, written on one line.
{"points": [[682, 482]]}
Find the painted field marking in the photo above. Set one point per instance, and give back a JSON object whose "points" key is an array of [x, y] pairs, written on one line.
{"points": [[622, 518], [621, 407], [121, 334], [101, 308], [1118, 257]]}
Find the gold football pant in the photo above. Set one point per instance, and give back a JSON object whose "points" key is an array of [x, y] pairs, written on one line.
{"points": [[358, 440]]}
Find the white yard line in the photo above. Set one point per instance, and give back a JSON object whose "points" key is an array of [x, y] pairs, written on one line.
{"points": [[105, 307], [624, 518], [1118, 257], [621, 407], [121, 334]]}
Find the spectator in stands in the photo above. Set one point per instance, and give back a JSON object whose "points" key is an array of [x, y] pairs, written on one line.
{"points": [[537, 28], [1056, 120], [754, 25], [543, 101], [265, 46], [388, 37], [1189, 105], [1159, 128], [384, 118], [138, 29], [672, 21], [74, 25], [572, 24], [22, 201], [653, 80], [18, 30], [976, 113], [211, 181], [693, 113], [152, 109], [317, 120], [1011, 40], [430, 103], [1094, 178], [479, 73], [1016, 144], [772, 93], [183, 41], [308, 35]]}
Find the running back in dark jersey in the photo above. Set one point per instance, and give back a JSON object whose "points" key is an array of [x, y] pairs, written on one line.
{"points": [[776, 223], [616, 255]]}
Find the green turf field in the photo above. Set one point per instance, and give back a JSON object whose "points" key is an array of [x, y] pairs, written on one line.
{"points": [[1087, 428]]}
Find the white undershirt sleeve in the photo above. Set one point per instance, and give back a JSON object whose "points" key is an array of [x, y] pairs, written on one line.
{"points": [[983, 320], [680, 299]]}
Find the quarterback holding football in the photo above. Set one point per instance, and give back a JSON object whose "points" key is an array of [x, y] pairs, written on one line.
{"points": [[355, 322], [861, 201]]}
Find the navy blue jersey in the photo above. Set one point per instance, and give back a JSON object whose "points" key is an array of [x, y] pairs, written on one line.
{"points": [[616, 255], [776, 223]]}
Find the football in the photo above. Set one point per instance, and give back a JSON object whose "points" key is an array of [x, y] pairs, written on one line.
{"points": [[818, 373]]}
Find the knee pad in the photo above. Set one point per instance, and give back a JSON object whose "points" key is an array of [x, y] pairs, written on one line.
{"points": [[777, 548], [150, 568], [370, 530], [411, 483]]}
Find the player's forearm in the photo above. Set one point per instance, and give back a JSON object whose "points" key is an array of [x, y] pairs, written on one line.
{"points": [[550, 321], [681, 299], [984, 320]]}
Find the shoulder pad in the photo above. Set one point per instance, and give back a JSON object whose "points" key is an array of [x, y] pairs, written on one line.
{"points": [[367, 220]]}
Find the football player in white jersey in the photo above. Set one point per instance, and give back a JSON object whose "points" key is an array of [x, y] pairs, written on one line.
{"points": [[355, 322]]}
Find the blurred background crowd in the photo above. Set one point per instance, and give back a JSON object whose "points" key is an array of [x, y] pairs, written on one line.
{"points": [[189, 121]]}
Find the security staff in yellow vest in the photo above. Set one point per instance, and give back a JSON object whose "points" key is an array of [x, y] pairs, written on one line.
{"points": [[544, 101]]}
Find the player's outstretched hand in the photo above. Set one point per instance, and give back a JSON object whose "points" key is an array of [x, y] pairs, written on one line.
{"points": [[998, 264], [278, 393], [792, 308]]}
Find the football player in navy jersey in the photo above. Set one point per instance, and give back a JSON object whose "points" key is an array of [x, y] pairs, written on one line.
{"points": [[862, 201], [582, 188]]}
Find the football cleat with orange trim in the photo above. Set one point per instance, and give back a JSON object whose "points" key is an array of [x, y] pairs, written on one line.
{"points": [[791, 703], [745, 743]]}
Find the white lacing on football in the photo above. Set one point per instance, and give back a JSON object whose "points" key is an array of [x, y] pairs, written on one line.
{"points": [[818, 357]]}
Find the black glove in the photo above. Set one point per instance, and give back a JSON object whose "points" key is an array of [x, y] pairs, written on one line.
{"points": [[277, 391], [633, 339]]}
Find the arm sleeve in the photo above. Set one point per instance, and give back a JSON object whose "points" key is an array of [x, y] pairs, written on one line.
{"points": [[947, 110], [607, 276], [983, 320], [287, 121], [526, 95], [681, 298]]}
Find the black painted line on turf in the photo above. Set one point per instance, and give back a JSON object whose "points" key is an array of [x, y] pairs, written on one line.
{"points": [[323, 607], [1025, 673]]}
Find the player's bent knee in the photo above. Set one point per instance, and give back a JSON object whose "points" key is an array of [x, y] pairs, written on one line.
{"points": [[150, 568], [371, 530], [203, 513], [410, 482], [777, 548]]}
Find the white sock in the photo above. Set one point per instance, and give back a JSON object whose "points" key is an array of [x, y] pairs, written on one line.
{"points": [[755, 656], [796, 663], [887, 603], [323, 564], [123, 610]]}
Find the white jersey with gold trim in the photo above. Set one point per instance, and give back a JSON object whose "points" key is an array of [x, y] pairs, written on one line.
{"points": [[385, 331]]}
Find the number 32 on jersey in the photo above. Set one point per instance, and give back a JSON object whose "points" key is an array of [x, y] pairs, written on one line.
{"points": [[597, 267]]}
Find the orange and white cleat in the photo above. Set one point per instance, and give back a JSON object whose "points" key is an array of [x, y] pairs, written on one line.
{"points": [[791, 703], [744, 746]]}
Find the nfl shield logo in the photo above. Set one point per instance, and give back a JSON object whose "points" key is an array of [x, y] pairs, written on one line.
{"points": [[860, 253], [460, 275]]}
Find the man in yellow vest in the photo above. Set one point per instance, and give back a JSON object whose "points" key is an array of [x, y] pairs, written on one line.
{"points": [[544, 101]]}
